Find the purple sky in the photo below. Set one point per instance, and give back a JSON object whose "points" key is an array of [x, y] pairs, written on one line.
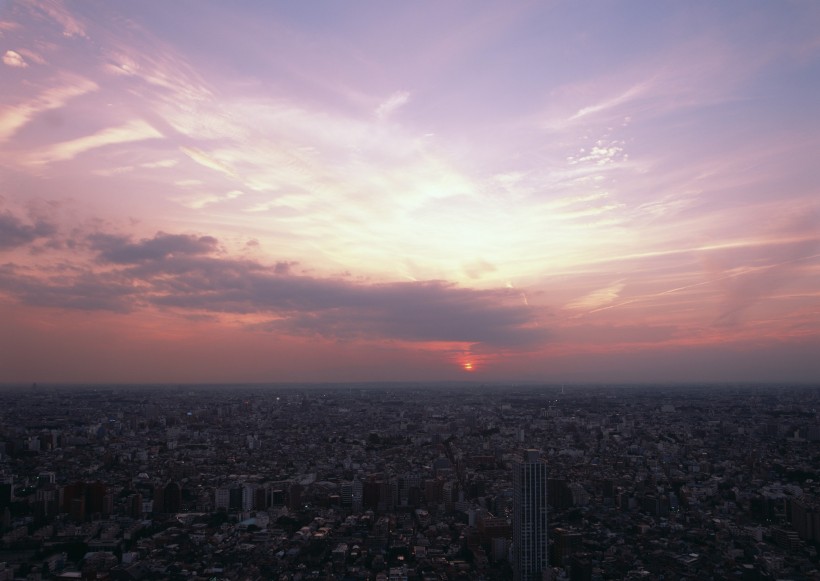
{"points": [[325, 191]]}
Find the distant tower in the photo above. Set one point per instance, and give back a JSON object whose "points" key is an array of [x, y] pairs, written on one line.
{"points": [[530, 517]]}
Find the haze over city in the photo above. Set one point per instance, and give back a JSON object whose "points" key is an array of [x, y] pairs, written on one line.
{"points": [[484, 191]]}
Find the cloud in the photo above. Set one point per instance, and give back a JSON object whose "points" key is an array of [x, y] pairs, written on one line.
{"points": [[198, 201], [283, 267], [32, 56], [136, 130], [756, 275], [704, 71], [618, 336], [55, 10], [7, 25], [163, 164], [15, 233], [14, 59], [597, 298], [174, 82], [394, 102], [84, 290], [188, 274], [208, 161], [333, 308], [120, 249], [602, 153], [15, 117], [630, 94], [416, 312]]}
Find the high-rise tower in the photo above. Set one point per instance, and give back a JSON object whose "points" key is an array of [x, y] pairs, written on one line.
{"points": [[530, 517]]}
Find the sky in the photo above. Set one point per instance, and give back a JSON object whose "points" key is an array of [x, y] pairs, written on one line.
{"points": [[254, 191]]}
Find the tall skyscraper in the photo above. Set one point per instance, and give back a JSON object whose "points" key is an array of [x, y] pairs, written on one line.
{"points": [[530, 517]]}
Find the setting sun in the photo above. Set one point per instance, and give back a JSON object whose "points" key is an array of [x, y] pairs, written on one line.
{"points": [[468, 366]]}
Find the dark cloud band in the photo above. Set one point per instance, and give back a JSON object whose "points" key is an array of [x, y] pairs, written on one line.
{"points": [[187, 273]]}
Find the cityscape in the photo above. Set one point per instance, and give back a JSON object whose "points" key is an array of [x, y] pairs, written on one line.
{"points": [[476, 290], [409, 482]]}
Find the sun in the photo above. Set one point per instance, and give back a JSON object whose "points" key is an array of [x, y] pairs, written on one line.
{"points": [[467, 365]]}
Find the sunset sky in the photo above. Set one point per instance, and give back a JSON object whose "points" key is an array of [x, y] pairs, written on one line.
{"points": [[253, 191]]}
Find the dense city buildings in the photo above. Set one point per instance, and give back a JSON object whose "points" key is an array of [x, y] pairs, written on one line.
{"points": [[415, 482]]}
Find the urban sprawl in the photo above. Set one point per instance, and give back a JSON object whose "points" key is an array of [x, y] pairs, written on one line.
{"points": [[407, 482]]}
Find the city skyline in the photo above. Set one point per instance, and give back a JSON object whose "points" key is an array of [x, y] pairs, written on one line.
{"points": [[266, 192]]}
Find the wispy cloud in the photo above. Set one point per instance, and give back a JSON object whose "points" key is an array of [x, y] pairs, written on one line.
{"points": [[33, 56], [198, 201], [394, 102], [15, 117], [57, 11], [701, 72], [630, 94], [597, 298], [206, 160], [136, 130], [6, 25], [757, 275]]}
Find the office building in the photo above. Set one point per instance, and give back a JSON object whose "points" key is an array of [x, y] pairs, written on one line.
{"points": [[530, 517]]}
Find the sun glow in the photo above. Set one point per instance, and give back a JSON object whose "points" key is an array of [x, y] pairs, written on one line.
{"points": [[467, 365]]}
